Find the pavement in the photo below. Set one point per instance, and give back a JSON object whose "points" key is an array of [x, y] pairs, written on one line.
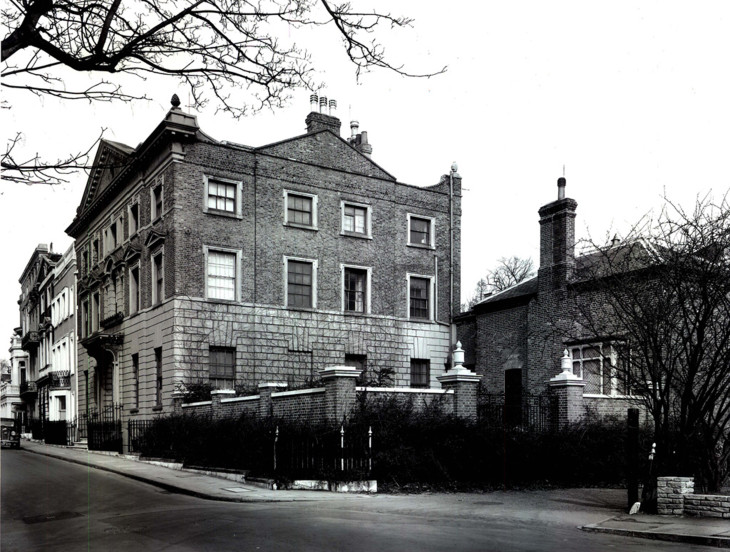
{"points": [[171, 477]]}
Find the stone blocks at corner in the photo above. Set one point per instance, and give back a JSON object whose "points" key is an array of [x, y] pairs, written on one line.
{"points": [[675, 496]]}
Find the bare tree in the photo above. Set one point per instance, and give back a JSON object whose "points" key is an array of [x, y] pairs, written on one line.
{"points": [[214, 47], [663, 295], [507, 273]]}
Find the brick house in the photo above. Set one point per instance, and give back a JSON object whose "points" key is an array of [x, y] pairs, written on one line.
{"points": [[209, 261], [516, 338]]}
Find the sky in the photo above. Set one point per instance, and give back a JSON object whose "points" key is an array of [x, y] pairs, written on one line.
{"points": [[630, 100]]}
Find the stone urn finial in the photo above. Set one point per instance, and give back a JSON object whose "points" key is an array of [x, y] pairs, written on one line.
{"points": [[175, 101]]}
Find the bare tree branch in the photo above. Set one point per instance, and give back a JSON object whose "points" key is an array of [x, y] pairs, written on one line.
{"points": [[214, 47]]}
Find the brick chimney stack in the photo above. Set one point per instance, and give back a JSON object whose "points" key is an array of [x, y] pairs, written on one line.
{"points": [[359, 140], [324, 117], [557, 241]]}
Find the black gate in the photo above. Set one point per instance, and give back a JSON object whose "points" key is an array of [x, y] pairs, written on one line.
{"points": [[537, 412], [104, 429]]}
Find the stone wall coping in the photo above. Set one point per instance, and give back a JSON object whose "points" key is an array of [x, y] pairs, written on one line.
{"points": [[454, 376], [274, 384], [339, 372], [200, 403], [312, 391], [223, 392], [241, 399], [559, 381], [405, 390]]}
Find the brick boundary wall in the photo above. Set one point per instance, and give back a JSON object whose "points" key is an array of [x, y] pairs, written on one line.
{"points": [[675, 496], [331, 403]]}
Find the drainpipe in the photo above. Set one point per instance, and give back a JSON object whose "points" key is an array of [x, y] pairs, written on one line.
{"points": [[451, 246]]}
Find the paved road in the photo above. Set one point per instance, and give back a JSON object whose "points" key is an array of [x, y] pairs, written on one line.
{"points": [[49, 505]]}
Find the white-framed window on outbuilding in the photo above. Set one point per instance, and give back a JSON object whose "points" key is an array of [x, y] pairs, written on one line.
{"points": [[300, 209], [421, 231], [603, 368], [222, 273], [222, 196], [356, 220], [300, 278], [356, 289]]}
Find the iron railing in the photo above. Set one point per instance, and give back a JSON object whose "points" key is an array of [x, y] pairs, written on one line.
{"points": [[28, 387], [60, 379], [339, 454], [537, 412], [104, 428], [59, 432], [137, 430]]}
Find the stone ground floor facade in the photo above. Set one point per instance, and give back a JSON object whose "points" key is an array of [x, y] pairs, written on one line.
{"points": [[139, 364]]}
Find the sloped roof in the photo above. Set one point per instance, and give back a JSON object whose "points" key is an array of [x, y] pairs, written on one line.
{"points": [[327, 149], [514, 295]]}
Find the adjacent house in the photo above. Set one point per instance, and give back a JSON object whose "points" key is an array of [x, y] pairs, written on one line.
{"points": [[516, 338], [11, 405], [36, 332], [58, 385], [210, 261]]}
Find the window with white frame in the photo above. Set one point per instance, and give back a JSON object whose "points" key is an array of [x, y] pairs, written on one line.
{"points": [[133, 219], [158, 278], [602, 367], [355, 219], [222, 196], [420, 372], [355, 289], [157, 199], [420, 297], [222, 274], [301, 283], [421, 231], [158, 376], [300, 209], [222, 367], [134, 298]]}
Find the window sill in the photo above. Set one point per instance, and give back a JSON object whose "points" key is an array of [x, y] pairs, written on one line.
{"points": [[354, 313], [301, 226], [134, 410], [225, 214], [423, 320], [301, 309], [421, 246], [356, 235], [222, 301], [157, 408]]}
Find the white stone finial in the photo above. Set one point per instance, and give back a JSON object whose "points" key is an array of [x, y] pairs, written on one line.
{"points": [[458, 357], [566, 363]]}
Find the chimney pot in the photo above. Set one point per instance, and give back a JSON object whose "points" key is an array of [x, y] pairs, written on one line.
{"points": [[354, 126], [313, 102], [333, 108], [323, 105], [561, 187]]}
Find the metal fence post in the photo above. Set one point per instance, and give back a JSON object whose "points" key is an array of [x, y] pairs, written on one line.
{"points": [[370, 449], [276, 438], [342, 448]]}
